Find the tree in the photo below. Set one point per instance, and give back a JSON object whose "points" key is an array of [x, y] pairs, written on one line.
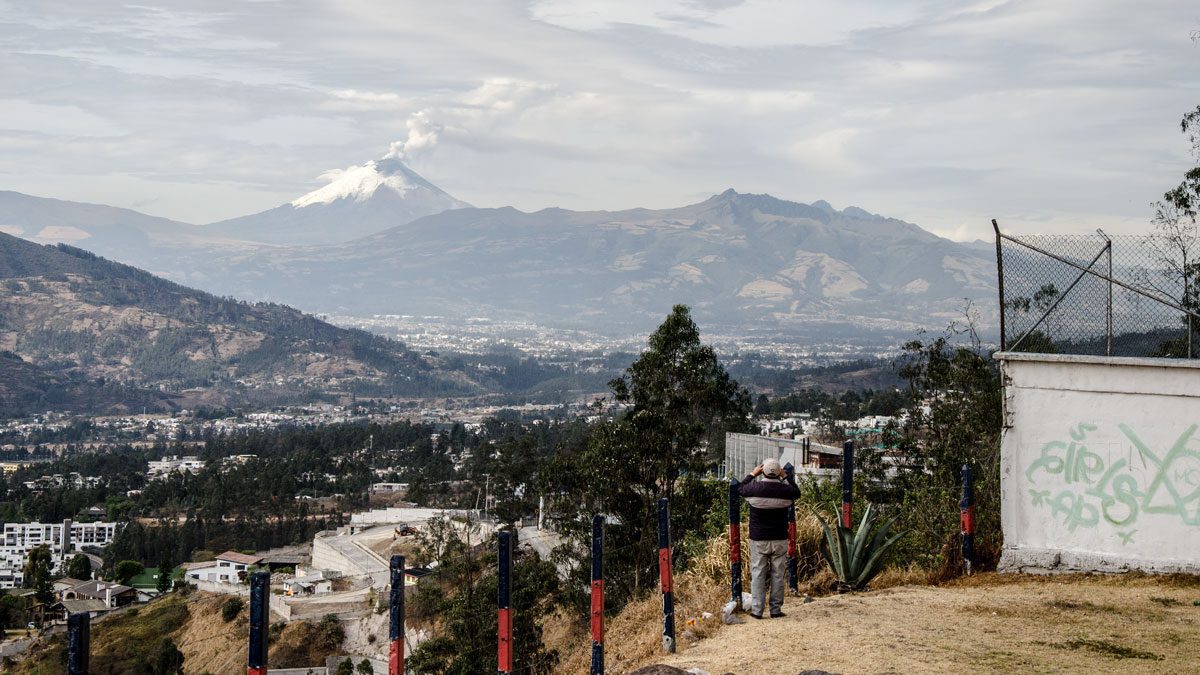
{"points": [[681, 401], [12, 611], [364, 667], [763, 405], [165, 570], [126, 570], [168, 660], [80, 567], [330, 633], [345, 667], [1036, 341], [470, 620], [1175, 243], [959, 383], [39, 570]]}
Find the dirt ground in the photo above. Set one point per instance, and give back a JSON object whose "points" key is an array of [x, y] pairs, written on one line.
{"points": [[988, 623]]}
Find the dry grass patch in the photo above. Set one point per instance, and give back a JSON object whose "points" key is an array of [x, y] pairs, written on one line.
{"points": [[987, 623]]}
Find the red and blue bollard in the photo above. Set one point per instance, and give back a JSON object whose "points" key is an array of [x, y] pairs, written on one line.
{"points": [[665, 577], [793, 579], [79, 630], [260, 606], [966, 512], [735, 544], [396, 618], [504, 639], [597, 595], [847, 482]]}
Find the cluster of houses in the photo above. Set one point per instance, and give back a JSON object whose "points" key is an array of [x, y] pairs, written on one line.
{"points": [[58, 480], [72, 596], [161, 468]]}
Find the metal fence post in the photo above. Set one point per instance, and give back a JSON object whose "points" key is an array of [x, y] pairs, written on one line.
{"points": [[1000, 281], [735, 544], [597, 595], [664, 575], [793, 579], [396, 618], [847, 482], [966, 510], [504, 640], [79, 630], [260, 601]]}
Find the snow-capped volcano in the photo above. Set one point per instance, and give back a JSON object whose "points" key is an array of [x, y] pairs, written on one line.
{"points": [[355, 202]]}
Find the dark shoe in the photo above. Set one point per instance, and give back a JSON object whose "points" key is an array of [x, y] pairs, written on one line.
{"points": [[776, 615], [757, 616]]}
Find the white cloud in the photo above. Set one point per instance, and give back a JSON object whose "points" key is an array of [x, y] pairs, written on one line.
{"points": [[937, 111]]}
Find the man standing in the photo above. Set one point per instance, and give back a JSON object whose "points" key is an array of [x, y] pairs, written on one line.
{"points": [[769, 498]]}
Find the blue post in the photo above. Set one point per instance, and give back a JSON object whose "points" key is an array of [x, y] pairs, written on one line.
{"points": [[504, 639], [966, 510], [847, 482], [396, 617], [597, 595], [793, 579], [664, 575], [260, 602], [78, 638], [735, 544]]}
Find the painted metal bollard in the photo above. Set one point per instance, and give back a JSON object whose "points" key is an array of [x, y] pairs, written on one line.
{"points": [[396, 617], [665, 576], [504, 638], [847, 482], [966, 512], [735, 544], [597, 595], [79, 631], [260, 604], [793, 579]]}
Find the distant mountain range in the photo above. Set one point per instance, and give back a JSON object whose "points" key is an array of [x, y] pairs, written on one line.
{"points": [[379, 239]]}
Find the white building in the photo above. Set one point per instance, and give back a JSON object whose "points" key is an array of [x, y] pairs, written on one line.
{"points": [[167, 465], [388, 488], [229, 568], [64, 539]]}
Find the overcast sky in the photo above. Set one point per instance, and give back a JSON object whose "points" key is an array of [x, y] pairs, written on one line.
{"points": [[1057, 115]]}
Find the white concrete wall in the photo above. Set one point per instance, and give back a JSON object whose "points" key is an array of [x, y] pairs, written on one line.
{"points": [[1100, 466]]}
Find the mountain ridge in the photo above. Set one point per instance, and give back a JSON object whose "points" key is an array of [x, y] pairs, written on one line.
{"points": [[75, 317], [740, 259]]}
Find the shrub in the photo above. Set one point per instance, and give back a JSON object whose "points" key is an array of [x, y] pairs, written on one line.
{"points": [[231, 608]]}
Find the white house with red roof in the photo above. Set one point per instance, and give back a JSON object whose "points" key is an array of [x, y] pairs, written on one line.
{"points": [[228, 568]]}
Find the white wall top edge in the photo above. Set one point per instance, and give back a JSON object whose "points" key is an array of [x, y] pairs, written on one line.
{"points": [[1143, 361]]}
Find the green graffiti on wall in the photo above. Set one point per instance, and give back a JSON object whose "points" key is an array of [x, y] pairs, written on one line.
{"points": [[1081, 488]]}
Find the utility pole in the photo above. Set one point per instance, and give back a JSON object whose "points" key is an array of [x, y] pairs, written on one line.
{"points": [[487, 493]]}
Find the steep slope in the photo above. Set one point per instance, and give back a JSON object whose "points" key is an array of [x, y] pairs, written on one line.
{"points": [[357, 201], [26, 389], [73, 314]]}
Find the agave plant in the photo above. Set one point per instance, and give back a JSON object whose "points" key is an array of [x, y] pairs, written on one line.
{"points": [[856, 557]]}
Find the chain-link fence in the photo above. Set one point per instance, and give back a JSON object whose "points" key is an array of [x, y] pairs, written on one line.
{"points": [[1121, 295]]}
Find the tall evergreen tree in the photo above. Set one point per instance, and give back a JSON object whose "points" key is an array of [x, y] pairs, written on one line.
{"points": [[163, 583], [681, 402], [39, 571]]}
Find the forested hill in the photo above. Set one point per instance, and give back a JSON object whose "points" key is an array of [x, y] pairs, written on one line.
{"points": [[82, 326]]}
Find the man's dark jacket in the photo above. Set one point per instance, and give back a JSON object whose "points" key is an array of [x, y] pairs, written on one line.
{"points": [[769, 500]]}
